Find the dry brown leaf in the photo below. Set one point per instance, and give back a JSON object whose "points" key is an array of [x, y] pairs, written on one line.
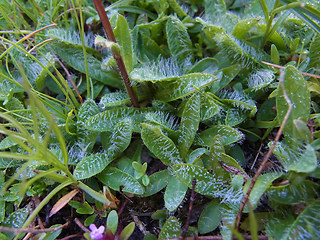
{"points": [[63, 201]]}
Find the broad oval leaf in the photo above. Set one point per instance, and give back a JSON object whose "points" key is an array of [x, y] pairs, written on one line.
{"points": [[210, 217], [228, 135], [115, 178], [183, 86], [160, 145], [91, 165], [119, 139], [88, 109], [106, 120], [299, 95], [262, 184], [112, 221], [175, 193], [157, 182], [171, 229], [206, 183]]}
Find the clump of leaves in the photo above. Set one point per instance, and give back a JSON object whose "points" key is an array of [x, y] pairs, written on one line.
{"points": [[184, 100]]}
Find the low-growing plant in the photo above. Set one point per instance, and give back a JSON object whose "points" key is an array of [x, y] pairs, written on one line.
{"points": [[203, 112]]}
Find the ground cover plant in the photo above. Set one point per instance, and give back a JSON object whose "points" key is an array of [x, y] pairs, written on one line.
{"points": [[159, 119]]}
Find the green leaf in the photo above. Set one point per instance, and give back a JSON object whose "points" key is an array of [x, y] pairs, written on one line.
{"points": [[85, 209], [115, 178], [166, 121], [112, 222], [214, 9], [7, 143], [205, 65], [299, 160], [174, 194], [160, 145], [115, 99], [210, 217], [107, 120], [74, 57], [158, 181], [305, 226], [206, 183], [183, 86], [189, 124], [314, 53], [262, 184], [228, 135], [15, 220], [91, 165], [127, 231], [294, 193], [179, 42], [208, 108], [122, 34], [195, 154], [299, 95], [274, 54], [88, 109], [171, 229], [119, 139], [89, 220], [243, 27]]}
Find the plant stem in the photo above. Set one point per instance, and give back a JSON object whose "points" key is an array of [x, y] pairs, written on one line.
{"points": [[267, 156], [44, 202], [123, 71]]}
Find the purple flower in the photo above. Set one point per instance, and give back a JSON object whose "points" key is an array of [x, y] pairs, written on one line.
{"points": [[96, 233]]}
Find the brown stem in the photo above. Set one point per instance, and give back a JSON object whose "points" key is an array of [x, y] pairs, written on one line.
{"points": [[281, 67], [123, 71], [80, 225], [70, 79], [185, 231], [267, 156]]}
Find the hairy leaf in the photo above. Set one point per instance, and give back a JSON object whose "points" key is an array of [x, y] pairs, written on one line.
{"points": [[160, 145], [106, 120], [228, 135], [91, 165], [171, 229], [179, 42], [189, 124], [115, 178]]}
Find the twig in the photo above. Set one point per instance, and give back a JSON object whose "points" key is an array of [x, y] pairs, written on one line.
{"points": [[80, 225], [267, 156], [70, 79], [281, 67], [123, 71], [185, 230], [123, 206], [28, 230]]}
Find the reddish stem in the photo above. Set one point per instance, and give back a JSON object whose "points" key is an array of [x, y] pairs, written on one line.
{"points": [[123, 71]]}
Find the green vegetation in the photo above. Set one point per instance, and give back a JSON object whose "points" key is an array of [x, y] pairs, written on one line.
{"points": [[204, 114]]}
